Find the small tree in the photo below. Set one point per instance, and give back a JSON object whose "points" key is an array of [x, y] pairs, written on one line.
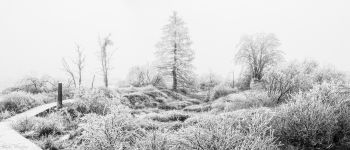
{"points": [[105, 58], [174, 53], [69, 71], [258, 52], [80, 63], [144, 75]]}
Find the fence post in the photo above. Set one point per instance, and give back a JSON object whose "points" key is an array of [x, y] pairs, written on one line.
{"points": [[59, 96]]}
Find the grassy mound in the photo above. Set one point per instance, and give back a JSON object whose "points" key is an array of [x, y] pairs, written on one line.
{"points": [[151, 97]]}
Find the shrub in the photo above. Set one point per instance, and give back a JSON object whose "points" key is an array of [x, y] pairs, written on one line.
{"points": [[24, 124], [242, 100], [49, 143], [169, 116], [33, 85], [209, 81], [155, 140], [95, 101], [6, 114], [249, 130], [283, 81], [145, 75], [47, 126], [221, 91], [114, 131], [307, 123], [329, 74], [18, 102]]}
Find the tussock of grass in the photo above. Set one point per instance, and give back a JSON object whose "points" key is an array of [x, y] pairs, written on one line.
{"points": [[168, 116], [198, 108]]}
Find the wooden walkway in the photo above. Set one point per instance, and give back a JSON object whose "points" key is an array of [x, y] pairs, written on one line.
{"points": [[12, 140]]}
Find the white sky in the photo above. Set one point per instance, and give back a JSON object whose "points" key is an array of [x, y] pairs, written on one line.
{"points": [[36, 34]]}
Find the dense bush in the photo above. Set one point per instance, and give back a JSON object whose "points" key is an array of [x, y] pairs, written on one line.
{"points": [[243, 130], [283, 81], [221, 90], [117, 130], [155, 140], [316, 119], [47, 126], [18, 102], [145, 75], [96, 101], [33, 85], [24, 124]]}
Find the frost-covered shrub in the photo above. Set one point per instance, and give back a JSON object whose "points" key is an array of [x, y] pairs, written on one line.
{"points": [[96, 101], [243, 130], [18, 102], [116, 130], [155, 140], [329, 74], [306, 123], [242, 100], [169, 116], [6, 114], [317, 119], [283, 81], [221, 90], [145, 75], [47, 126], [24, 124]]}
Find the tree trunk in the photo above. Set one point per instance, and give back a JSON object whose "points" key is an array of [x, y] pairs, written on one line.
{"points": [[79, 77], [92, 82], [174, 79], [175, 69], [105, 79]]}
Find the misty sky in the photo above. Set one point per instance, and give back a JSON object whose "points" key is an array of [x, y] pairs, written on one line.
{"points": [[36, 34]]}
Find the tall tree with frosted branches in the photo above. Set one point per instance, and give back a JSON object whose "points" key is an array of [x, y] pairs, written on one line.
{"points": [[258, 52], [105, 57], [174, 52], [80, 63]]}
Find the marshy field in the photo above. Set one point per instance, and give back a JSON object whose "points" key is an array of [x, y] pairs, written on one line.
{"points": [[174, 75], [298, 106]]}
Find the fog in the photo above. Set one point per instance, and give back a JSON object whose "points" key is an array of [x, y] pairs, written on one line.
{"points": [[36, 34]]}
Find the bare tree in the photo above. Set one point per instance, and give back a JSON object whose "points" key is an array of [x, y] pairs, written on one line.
{"points": [[105, 57], [80, 63], [69, 71], [92, 82], [258, 52], [174, 53]]}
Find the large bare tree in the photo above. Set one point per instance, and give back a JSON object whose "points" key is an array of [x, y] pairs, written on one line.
{"points": [[175, 53], [105, 57], [258, 52]]}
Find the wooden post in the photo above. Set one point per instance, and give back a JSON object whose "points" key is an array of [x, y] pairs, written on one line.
{"points": [[59, 96]]}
